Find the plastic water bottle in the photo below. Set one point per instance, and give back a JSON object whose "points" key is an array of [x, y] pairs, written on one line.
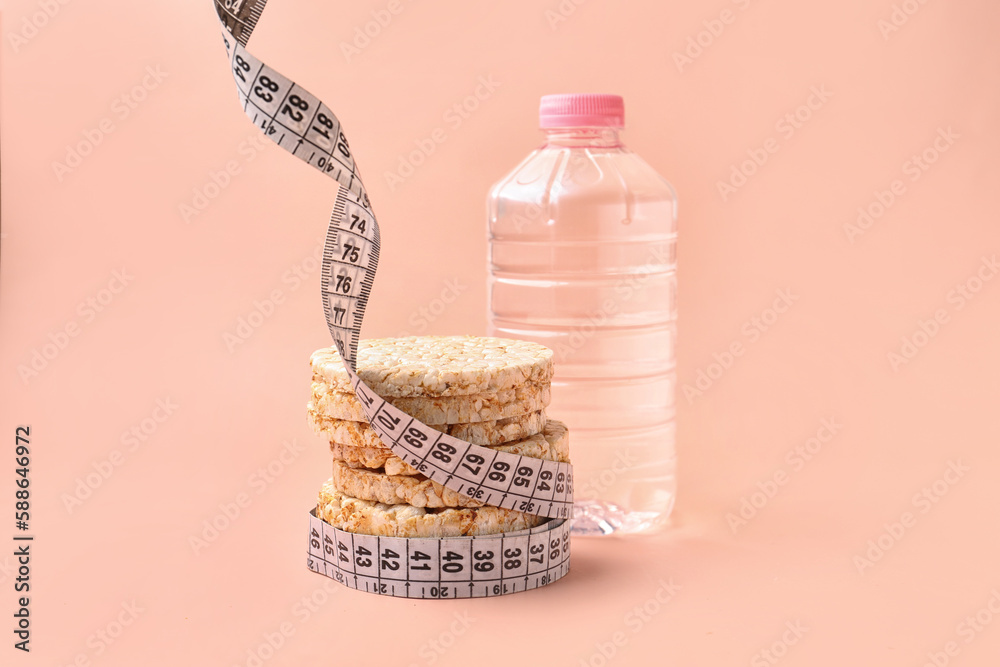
{"points": [[582, 238]]}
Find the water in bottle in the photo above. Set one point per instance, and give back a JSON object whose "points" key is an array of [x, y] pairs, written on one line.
{"points": [[582, 238]]}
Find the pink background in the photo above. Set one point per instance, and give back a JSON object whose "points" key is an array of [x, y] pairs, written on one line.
{"points": [[900, 425]]}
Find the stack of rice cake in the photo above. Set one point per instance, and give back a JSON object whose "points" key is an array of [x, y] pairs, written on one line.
{"points": [[487, 391]]}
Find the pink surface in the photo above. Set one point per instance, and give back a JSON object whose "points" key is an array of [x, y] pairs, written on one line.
{"points": [[841, 366]]}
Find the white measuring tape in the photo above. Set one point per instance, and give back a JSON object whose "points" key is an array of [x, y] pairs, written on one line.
{"points": [[408, 567], [441, 567]]}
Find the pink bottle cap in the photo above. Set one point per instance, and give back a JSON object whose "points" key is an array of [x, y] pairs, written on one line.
{"points": [[581, 110]]}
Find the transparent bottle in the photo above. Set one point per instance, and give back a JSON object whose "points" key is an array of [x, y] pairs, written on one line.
{"points": [[582, 245]]}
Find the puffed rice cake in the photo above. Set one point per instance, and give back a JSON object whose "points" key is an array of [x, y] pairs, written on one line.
{"points": [[371, 518], [470, 408], [487, 433], [550, 445], [437, 365], [415, 489]]}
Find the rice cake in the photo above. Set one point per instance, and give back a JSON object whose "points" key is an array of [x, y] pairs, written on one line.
{"points": [[370, 518], [551, 445], [437, 365], [359, 434], [329, 403]]}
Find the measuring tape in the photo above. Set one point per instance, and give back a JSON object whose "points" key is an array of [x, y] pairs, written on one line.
{"points": [[441, 567], [300, 123]]}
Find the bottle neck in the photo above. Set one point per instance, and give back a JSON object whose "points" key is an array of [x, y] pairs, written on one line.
{"points": [[582, 137]]}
